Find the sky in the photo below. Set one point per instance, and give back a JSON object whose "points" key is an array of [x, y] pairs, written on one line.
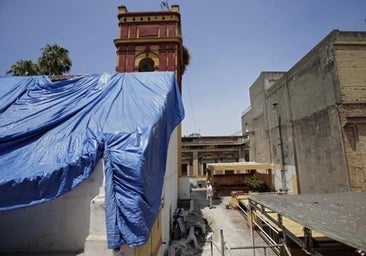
{"points": [[230, 43]]}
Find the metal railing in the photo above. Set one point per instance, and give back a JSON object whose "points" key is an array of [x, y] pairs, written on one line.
{"points": [[223, 249], [271, 236]]}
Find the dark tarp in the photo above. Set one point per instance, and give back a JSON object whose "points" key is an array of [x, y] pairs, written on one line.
{"points": [[53, 134]]}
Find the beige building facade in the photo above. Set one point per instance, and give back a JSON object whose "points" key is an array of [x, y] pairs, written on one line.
{"points": [[198, 151], [312, 118]]}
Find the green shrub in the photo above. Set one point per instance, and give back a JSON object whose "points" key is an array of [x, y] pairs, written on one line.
{"points": [[255, 184]]}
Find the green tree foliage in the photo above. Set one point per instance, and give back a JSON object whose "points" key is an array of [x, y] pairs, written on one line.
{"points": [[255, 184], [55, 60], [24, 68], [186, 59]]}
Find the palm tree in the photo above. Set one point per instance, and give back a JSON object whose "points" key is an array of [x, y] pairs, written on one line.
{"points": [[24, 68], [55, 60]]}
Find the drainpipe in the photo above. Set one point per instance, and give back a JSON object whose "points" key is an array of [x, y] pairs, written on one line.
{"points": [[283, 174]]}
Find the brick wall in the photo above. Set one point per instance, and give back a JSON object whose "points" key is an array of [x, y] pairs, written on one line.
{"points": [[351, 67]]}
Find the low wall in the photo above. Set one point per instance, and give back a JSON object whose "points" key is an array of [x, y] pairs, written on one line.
{"points": [[60, 225]]}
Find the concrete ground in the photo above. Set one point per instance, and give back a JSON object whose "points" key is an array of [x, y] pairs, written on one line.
{"points": [[235, 230]]}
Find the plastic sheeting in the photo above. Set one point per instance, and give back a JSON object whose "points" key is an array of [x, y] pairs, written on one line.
{"points": [[53, 134]]}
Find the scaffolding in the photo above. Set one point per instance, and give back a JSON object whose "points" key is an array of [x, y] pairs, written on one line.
{"points": [[318, 224]]}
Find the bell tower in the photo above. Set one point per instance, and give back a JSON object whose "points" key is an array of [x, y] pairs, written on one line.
{"points": [[150, 41]]}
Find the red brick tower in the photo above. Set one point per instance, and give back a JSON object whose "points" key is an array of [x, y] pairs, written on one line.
{"points": [[149, 41]]}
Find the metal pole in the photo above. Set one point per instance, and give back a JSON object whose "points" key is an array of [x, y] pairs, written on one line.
{"points": [[249, 209], [211, 249], [283, 228], [209, 238], [222, 243], [283, 174]]}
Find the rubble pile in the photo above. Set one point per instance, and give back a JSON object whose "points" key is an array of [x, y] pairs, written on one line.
{"points": [[189, 233]]}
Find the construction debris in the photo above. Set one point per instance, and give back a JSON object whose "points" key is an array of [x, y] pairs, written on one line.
{"points": [[189, 233]]}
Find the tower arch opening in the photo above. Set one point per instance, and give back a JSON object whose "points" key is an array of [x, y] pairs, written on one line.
{"points": [[146, 65]]}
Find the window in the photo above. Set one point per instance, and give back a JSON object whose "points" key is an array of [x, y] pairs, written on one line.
{"points": [[204, 168], [146, 65], [184, 169]]}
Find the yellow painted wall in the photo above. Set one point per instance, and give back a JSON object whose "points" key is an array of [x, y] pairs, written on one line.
{"points": [[152, 246]]}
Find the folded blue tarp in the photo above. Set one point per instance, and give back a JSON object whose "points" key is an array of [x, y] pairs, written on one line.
{"points": [[53, 134]]}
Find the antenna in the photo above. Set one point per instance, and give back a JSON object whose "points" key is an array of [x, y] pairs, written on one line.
{"points": [[165, 5]]}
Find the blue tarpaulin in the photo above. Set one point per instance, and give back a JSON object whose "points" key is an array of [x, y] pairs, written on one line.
{"points": [[53, 134]]}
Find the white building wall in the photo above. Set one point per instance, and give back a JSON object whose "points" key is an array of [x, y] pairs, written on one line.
{"points": [[170, 190], [184, 186], [59, 225], [290, 177]]}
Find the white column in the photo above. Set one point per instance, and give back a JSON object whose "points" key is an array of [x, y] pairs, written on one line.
{"points": [[96, 242], [195, 162]]}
